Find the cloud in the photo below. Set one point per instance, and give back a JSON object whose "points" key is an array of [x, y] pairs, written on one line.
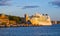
{"points": [[4, 2], [56, 3], [25, 7]]}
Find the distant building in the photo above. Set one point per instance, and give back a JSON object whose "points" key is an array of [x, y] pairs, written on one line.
{"points": [[38, 19], [54, 22], [4, 19]]}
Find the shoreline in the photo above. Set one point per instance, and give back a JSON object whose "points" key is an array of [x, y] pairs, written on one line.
{"points": [[23, 25]]}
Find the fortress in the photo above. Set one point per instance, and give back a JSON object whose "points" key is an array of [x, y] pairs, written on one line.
{"points": [[38, 19]]}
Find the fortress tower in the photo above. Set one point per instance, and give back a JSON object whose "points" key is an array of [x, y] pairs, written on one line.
{"points": [[26, 17]]}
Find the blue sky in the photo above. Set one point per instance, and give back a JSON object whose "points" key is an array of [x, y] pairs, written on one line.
{"points": [[20, 7]]}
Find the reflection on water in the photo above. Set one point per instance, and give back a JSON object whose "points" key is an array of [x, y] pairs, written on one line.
{"points": [[31, 31]]}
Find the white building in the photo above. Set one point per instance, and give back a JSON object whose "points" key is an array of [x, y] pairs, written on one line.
{"points": [[39, 19]]}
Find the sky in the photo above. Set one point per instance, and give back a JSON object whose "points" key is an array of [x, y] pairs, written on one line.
{"points": [[20, 7]]}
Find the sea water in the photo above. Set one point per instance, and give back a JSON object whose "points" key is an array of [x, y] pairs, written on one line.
{"points": [[53, 30]]}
